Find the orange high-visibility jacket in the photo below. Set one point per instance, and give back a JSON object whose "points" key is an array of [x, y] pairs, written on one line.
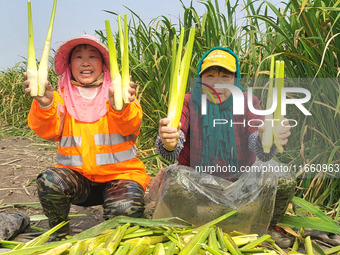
{"points": [[101, 151]]}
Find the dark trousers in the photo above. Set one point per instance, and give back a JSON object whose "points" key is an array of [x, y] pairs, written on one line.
{"points": [[58, 188]]}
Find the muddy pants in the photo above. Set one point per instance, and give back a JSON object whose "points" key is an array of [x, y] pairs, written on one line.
{"points": [[59, 187]]}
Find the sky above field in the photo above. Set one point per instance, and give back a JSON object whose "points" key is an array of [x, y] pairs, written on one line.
{"points": [[73, 18]]}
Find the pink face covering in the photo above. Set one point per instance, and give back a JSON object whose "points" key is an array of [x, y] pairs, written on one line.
{"points": [[79, 107]]}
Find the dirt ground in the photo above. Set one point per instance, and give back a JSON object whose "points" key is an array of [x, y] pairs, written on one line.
{"points": [[21, 160]]}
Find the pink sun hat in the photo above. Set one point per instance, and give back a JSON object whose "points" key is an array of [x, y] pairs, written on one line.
{"points": [[62, 55]]}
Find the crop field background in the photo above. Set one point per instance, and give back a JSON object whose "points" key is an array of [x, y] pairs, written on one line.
{"points": [[304, 34]]}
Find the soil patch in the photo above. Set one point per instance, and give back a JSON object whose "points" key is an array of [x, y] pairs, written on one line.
{"points": [[21, 160]]}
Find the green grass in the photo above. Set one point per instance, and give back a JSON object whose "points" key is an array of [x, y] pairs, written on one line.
{"points": [[305, 37], [14, 104]]}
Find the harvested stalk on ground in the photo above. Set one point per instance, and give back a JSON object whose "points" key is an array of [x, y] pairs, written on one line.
{"points": [[58, 250], [231, 246], [165, 240], [78, 248]]}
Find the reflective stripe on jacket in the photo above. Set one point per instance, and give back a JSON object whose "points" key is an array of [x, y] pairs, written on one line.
{"points": [[101, 151]]}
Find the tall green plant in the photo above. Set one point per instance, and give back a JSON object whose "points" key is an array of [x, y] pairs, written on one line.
{"points": [[306, 38]]}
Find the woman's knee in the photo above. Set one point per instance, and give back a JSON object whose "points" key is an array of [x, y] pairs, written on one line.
{"points": [[123, 197], [129, 208], [55, 180]]}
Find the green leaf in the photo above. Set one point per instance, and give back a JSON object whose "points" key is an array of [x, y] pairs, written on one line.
{"points": [[314, 223], [114, 222], [43, 217], [312, 209], [320, 222]]}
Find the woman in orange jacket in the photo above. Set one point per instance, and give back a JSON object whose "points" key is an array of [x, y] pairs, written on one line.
{"points": [[96, 157]]}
